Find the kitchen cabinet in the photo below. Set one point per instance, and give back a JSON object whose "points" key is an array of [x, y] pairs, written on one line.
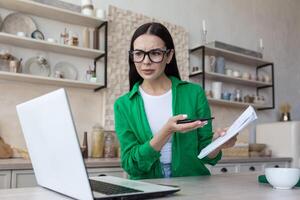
{"points": [[62, 15], [117, 171], [247, 167], [23, 178], [5, 178], [26, 178], [252, 65]]}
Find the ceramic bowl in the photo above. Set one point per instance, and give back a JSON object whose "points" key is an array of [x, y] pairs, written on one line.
{"points": [[282, 178]]}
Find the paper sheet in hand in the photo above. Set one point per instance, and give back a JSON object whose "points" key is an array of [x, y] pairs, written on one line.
{"points": [[244, 119]]}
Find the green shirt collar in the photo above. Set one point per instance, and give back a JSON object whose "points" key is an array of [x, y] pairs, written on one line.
{"points": [[175, 82]]}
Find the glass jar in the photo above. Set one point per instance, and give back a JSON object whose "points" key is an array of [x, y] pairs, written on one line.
{"points": [[97, 141], [109, 146]]}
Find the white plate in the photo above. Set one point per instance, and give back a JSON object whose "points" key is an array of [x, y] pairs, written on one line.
{"points": [[67, 69], [33, 66], [18, 22]]}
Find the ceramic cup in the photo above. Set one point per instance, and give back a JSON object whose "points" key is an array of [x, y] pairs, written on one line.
{"points": [[52, 40], [226, 96], [228, 72], [246, 76], [21, 34], [216, 88], [220, 65], [236, 74]]}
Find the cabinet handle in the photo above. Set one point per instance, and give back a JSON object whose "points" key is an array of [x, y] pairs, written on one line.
{"points": [[276, 166], [224, 170], [252, 168]]}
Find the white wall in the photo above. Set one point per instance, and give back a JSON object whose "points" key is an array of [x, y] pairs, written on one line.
{"points": [[242, 23], [238, 22]]}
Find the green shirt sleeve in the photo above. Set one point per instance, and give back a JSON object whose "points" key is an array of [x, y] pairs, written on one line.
{"points": [[137, 158], [205, 134]]}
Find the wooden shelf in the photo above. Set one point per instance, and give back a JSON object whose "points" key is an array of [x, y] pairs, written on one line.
{"points": [[47, 80], [43, 45], [51, 12], [233, 56], [233, 103], [225, 78], [230, 79]]}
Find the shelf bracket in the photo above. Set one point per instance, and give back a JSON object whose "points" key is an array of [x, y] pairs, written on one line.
{"points": [[96, 46]]}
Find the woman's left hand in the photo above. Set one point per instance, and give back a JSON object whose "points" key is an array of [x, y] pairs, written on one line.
{"points": [[230, 143]]}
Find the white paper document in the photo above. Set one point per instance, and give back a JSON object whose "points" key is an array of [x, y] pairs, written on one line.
{"points": [[244, 119]]}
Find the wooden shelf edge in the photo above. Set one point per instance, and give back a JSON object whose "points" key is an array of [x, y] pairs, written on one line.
{"points": [[31, 43], [234, 104], [252, 59], [47, 80], [51, 12]]}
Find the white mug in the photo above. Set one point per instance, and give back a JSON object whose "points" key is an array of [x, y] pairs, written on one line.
{"points": [[216, 88]]}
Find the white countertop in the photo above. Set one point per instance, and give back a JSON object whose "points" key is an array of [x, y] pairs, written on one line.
{"points": [[219, 187]]}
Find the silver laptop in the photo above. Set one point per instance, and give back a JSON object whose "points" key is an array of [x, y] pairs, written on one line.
{"points": [[53, 146]]}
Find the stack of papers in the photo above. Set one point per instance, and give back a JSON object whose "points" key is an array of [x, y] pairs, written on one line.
{"points": [[240, 123]]}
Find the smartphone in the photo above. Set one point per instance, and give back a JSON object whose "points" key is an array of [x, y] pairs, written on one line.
{"points": [[184, 121]]}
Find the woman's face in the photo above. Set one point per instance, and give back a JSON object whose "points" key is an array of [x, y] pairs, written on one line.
{"points": [[150, 68]]}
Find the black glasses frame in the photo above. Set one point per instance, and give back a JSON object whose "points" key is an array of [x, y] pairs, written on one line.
{"points": [[164, 51]]}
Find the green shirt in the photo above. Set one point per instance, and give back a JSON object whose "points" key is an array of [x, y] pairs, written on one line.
{"points": [[138, 157]]}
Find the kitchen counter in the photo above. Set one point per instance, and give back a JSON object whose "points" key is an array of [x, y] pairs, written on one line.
{"points": [[19, 163], [221, 187]]}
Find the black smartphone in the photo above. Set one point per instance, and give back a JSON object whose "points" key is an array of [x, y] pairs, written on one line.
{"points": [[184, 121]]}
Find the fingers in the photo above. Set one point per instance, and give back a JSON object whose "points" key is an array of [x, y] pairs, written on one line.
{"points": [[218, 133], [191, 126]]}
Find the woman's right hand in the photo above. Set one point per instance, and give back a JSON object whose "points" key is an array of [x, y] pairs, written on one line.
{"points": [[171, 126]]}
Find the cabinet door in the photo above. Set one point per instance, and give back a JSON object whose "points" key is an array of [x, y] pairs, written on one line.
{"points": [[224, 168], [23, 178], [277, 164], [251, 167], [5, 177], [116, 171]]}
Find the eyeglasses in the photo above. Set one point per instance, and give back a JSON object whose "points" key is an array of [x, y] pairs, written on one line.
{"points": [[154, 55]]}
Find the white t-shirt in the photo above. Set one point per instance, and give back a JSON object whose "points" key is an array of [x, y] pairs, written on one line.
{"points": [[159, 110]]}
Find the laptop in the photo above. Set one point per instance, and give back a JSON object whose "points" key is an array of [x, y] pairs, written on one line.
{"points": [[53, 146]]}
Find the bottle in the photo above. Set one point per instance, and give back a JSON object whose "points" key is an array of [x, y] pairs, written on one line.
{"points": [[86, 38], [85, 151], [97, 141], [109, 147]]}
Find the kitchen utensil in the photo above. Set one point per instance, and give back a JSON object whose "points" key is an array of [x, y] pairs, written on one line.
{"points": [[37, 65], [282, 178], [68, 70], [18, 22]]}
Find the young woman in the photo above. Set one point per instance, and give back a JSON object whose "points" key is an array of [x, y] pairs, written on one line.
{"points": [[153, 145]]}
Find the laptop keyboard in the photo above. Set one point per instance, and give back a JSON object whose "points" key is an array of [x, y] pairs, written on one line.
{"points": [[108, 188]]}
